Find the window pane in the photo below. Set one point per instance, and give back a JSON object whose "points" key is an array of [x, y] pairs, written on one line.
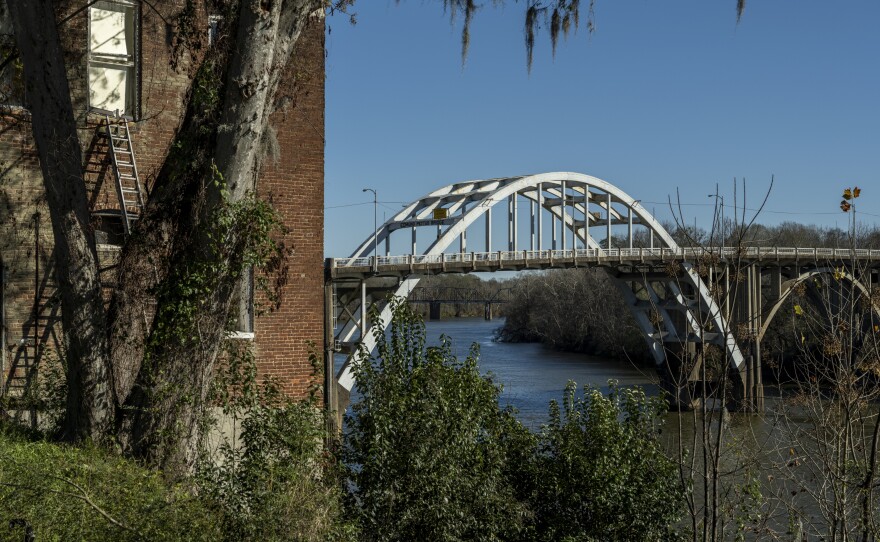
{"points": [[109, 87], [110, 30]]}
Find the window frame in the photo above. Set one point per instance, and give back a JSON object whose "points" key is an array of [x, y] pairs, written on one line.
{"points": [[7, 40], [99, 59]]}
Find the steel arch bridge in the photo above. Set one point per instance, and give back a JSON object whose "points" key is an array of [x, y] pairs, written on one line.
{"points": [[566, 215]]}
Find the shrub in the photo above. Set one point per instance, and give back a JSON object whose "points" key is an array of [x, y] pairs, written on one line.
{"points": [[428, 445], [69, 493], [432, 456], [269, 478], [601, 472]]}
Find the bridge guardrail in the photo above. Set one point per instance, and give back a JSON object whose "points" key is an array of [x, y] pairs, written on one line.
{"points": [[600, 254]]}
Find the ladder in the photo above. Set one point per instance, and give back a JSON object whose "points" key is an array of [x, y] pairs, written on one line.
{"points": [[128, 184]]}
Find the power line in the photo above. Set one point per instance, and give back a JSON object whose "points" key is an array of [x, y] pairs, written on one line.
{"points": [[363, 203]]}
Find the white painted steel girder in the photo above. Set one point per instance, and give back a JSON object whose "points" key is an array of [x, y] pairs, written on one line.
{"points": [[563, 195], [804, 277]]}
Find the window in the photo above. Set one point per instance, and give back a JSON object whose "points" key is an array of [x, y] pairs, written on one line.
{"points": [[113, 58], [214, 23], [11, 80]]}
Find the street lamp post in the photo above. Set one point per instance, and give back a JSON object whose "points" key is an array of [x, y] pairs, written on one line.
{"points": [[375, 227]]}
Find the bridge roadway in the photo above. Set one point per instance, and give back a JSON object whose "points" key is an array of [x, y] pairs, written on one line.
{"points": [[518, 260], [657, 290]]}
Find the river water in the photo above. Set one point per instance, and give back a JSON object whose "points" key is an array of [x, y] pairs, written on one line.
{"points": [[531, 374]]}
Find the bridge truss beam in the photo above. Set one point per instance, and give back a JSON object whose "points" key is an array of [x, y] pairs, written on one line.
{"points": [[592, 222]]}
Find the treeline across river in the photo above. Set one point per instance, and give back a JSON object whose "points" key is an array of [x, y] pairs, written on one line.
{"points": [[581, 310]]}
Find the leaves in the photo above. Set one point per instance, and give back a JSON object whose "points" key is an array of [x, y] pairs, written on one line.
{"points": [[601, 472], [849, 194], [432, 456], [427, 444]]}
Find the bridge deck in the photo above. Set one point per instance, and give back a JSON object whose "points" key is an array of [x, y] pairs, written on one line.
{"points": [[469, 262]]}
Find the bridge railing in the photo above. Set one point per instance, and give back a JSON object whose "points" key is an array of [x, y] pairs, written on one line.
{"points": [[598, 255]]}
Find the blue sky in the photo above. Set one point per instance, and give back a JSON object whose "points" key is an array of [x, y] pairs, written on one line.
{"points": [[664, 96]]}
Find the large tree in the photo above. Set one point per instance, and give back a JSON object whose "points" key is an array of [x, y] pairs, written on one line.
{"points": [[138, 381]]}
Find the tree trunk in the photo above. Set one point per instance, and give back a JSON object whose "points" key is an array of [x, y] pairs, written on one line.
{"points": [[89, 395], [267, 32], [169, 395], [128, 357]]}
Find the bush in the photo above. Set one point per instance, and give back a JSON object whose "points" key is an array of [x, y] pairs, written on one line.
{"points": [[432, 456], [428, 445], [601, 473], [270, 478], [70, 493]]}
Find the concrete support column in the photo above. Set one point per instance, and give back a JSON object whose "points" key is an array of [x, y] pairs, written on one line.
{"points": [[586, 215], [540, 205], [562, 213], [629, 233], [608, 233], [363, 310], [532, 244], [757, 323], [488, 229]]}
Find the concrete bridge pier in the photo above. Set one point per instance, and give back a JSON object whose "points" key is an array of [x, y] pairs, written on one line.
{"points": [[745, 322], [434, 310], [487, 312]]}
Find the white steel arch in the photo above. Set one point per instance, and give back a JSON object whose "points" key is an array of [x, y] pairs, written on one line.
{"points": [[590, 210], [790, 285]]}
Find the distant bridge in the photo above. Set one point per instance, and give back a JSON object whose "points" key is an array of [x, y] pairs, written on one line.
{"points": [[437, 296], [680, 297]]}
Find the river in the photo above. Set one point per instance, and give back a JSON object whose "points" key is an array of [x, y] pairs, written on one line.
{"points": [[531, 374]]}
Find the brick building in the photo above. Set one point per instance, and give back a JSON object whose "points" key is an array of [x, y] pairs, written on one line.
{"points": [[119, 59]]}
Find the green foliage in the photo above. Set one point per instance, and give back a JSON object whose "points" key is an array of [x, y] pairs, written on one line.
{"points": [[558, 308], [428, 446], [601, 473], [239, 236], [432, 456], [268, 477], [70, 493]]}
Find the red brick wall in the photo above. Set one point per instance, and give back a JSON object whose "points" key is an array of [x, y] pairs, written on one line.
{"points": [[295, 186], [294, 182]]}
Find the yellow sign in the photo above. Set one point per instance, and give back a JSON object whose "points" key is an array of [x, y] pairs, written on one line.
{"points": [[440, 214]]}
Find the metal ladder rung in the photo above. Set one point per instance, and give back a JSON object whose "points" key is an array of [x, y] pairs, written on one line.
{"points": [[128, 186]]}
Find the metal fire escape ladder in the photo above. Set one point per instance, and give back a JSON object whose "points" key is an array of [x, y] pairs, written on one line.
{"points": [[128, 184]]}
